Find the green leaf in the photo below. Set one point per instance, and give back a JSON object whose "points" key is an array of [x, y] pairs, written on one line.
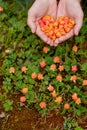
{"points": [[78, 128], [79, 39], [8, 105], [30, 97], [84, 67]]}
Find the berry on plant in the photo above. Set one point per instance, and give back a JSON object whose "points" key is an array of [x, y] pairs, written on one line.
{"points": [[7, 51], [45, 49], [61, 68], [74, 96], [12, 70], [66, 106], [75, 48], [53, 67], [22, 99], [1, 8], [42, 105], [40, 76], [24, 69], [50, 88], [59, 78], [58, 99], [56, 59], [74, 78], [54, 94], [25, 90], [78, 101], [42, 64], [85, 82], [74, 68], [34, 75]]}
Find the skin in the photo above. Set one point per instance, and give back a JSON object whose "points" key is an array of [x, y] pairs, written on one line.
{"points": [[73, 10], [68, 8], [39, 9]]}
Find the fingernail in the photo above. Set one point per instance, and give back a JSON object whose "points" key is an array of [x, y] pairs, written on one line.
{"points": [[33, 31]]}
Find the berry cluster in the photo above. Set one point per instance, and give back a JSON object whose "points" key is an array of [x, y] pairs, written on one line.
{"points": [[55, 28]]}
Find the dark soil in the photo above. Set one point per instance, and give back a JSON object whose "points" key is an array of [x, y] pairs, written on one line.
{"points": [[29, 119]]}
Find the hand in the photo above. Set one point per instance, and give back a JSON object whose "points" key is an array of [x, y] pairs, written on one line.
{"points": [[39, 9], [72, 9]]}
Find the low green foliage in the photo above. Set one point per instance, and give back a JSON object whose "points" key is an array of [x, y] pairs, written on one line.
{"points": [[70, 124], [8, 105], [20, 48]]}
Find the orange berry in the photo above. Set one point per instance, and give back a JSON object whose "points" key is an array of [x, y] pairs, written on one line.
{"points": [[50, 88], [55, 24], [66, 20], [67, 29], [75, 48], [58, 34], [74, 96], [25, 90], [52, 20], [53, 38], [45, 49], [70, 25], [85, 82], [1, 8], [62, 31], [47, 22], [60, 26], [40, 76], [24, 69], [34, 75], [61, 68], [61, 22], [42, 105], [72, 22], [78, 101], [22, 99], [51, 33], [66, 106], [54, 94], [59, 78], [12, 70], [74, 78], [74, 68], [58, 99], [41, 23], [53, 67], [7, 51], [56, 59], [42, 64]]}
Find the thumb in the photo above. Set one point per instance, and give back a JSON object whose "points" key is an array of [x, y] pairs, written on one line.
{"points": [[79, 21], [31, 22]]}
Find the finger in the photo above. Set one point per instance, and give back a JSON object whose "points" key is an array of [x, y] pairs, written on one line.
{"points": [[31, 22], [53, 9], [67, 36], [50, 42], [56, 42], [79, 21]]}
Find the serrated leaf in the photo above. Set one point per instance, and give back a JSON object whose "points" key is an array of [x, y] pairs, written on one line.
{"points": [[84, 67]]}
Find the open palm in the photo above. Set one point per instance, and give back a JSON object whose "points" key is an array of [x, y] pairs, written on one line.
{"points": [[39, 9], [73, 10]]}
